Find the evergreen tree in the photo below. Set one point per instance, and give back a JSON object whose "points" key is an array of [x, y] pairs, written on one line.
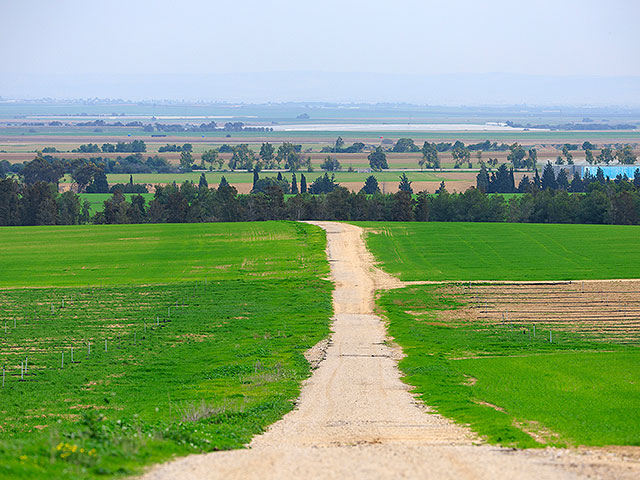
{"points": [[504, 182], [371, 185], [279, 176], [223, 183], [294, 184], [525, 185], [576, 182], [130, 179], [636, 177], [537, 183], [405, 184], [422, 208], [203, 181], [482, 179], [402, 207], [549, 178], [303, 183], [562, 180], [600, 176], [256, 177], [442, 188]]}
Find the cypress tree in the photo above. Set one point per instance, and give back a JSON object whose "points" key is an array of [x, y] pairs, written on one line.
{"points": [[548, 177], [405, 184], [525, 185], [482, 179], [294, 184], [256, 177], [223, 183], [562, 180], [537, 183], [303, 183], [203, 181]]}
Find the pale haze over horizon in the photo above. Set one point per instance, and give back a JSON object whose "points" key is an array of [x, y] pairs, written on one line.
{"points": [[458, 52]]}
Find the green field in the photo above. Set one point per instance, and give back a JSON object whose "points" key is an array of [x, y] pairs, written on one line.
{"points": [[213, 178], [505, 251], [512, 386], [96, 200], [205, 326]]}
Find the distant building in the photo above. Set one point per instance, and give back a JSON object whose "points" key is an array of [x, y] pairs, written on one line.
{"points": [[611, 171]]}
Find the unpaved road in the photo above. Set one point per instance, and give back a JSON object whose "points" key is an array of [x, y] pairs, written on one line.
{"points": [[356, 419]]}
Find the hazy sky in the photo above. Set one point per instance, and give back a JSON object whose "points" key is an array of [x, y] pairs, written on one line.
{"points": [[557, 37]]}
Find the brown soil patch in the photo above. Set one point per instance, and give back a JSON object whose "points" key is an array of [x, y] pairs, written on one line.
{"points": [[602, 310]]}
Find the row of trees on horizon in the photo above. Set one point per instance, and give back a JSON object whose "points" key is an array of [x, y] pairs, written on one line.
{"points": [[604, 201]]}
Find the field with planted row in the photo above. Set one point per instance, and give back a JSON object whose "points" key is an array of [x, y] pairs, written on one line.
{"points": [[113, 363], [504, 251], [524, 364]]}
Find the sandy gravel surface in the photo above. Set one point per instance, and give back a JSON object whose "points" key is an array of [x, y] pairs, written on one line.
{"points": [[356, 419]]}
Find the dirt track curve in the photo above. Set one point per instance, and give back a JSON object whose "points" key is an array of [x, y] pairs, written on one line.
{"points": [[356, 419]]}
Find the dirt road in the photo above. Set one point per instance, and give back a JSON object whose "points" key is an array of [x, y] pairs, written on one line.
{"points": [[356, 419]]}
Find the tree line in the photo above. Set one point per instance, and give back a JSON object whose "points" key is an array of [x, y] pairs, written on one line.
{"points": [[502, 180], [607, 202]]}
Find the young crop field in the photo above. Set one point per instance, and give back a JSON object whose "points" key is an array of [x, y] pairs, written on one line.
{"points": [[125, 345], [525, 364], [505, 251], [520, 382], [96, 200]]}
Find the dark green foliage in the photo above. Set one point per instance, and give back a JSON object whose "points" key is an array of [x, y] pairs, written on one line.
{"points": [[429, 156], [562, 180], [378, 160], [405, 145], [99, 184], [267, 155], [264, 183], [482, 179], [517, 156], [330, 164], [548, 178], [324, 184], [202, 183], [405, 184], [41, 170], [303, 183], [371, 185]]}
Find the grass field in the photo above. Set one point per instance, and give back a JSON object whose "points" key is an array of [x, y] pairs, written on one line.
{"points": [[213, 178], [484, 251], [511, 387], [205, 326], [96, 200], [484, 355]]}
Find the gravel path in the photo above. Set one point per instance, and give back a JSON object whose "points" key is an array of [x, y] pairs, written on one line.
{"points": [[356, 419]]}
